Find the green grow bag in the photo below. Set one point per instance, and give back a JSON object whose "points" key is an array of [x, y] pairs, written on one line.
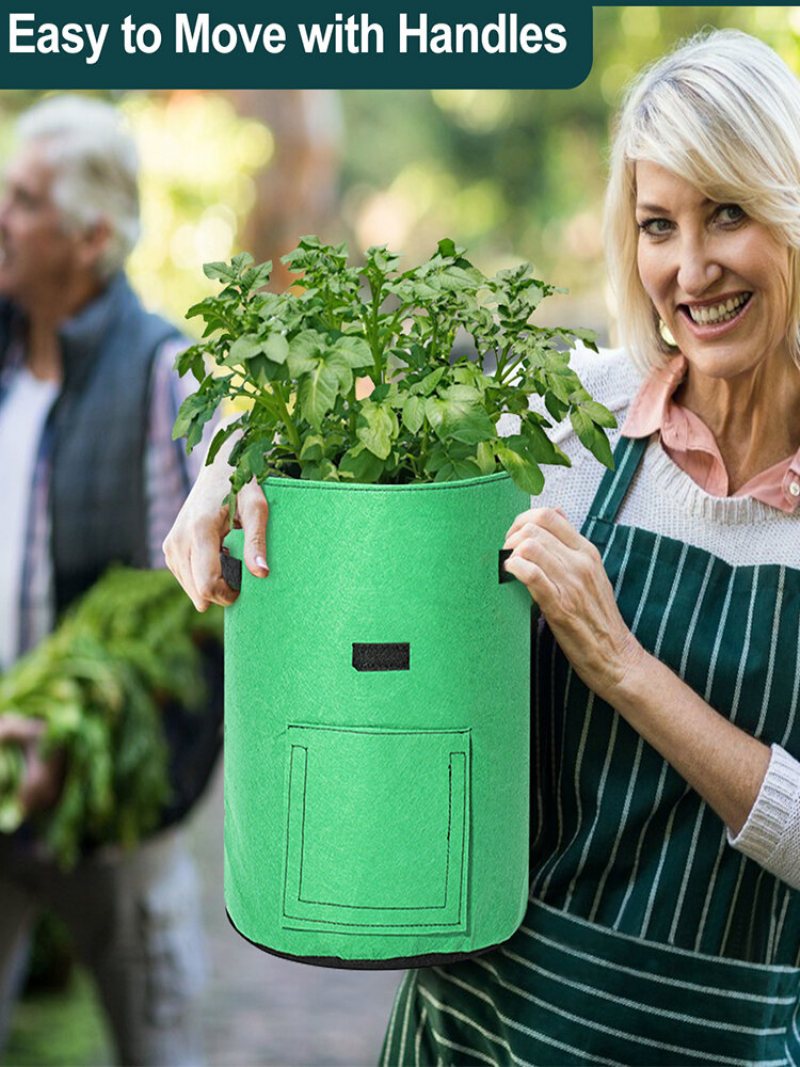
{"points": [[377, 726]]}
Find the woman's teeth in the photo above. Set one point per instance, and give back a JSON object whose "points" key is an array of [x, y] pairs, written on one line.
{"points": [[723, 312]]}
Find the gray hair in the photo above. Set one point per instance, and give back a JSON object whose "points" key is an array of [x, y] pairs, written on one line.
{"points": [[96, 168], [723, 112]]}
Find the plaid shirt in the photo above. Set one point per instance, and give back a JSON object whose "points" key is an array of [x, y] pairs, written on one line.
{"points": [[169, 473]]}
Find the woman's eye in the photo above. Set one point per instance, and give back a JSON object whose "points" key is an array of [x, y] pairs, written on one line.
{"points": [[730, 213], [655, 227]]}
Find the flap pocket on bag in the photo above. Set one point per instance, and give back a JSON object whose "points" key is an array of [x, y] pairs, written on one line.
{"points": [[377, 829]]}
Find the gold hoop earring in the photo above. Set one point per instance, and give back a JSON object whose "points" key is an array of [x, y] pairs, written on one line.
{"points": [[665, 334]]}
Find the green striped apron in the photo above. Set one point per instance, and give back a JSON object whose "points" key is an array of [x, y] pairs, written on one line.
{"points": [[648, 939]]}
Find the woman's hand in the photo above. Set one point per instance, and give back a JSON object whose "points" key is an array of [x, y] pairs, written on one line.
{"points": [[193, 545], [564, 574]]}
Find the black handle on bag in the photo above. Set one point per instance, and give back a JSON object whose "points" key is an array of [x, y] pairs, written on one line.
{"points": [[231, 570], [503, 574]]}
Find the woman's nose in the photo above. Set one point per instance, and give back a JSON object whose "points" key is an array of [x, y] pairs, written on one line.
{"points": [[698, 268]]}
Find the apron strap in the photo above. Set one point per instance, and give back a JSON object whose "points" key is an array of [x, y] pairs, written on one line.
{"points": [[614, 485]]}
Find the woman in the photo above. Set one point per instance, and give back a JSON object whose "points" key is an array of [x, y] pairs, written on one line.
{"points": [[664, 917]]}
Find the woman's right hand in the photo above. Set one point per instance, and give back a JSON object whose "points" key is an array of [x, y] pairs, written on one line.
{"points": [[193, 545]]}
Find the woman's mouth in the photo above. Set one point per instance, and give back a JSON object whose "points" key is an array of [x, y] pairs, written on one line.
{"points": [[712, 319]]}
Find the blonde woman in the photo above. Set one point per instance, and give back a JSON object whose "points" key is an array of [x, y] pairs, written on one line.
{"points": [[664, 917]]}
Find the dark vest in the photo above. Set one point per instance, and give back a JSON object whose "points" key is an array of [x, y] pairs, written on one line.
{"points": [[99, 427], [96, 436]]}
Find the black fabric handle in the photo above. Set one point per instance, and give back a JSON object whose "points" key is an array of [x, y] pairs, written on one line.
{"points": [[503, 574], [231, 570]]}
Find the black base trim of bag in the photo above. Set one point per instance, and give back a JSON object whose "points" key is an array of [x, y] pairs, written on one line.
{"points": [[396, 963]]}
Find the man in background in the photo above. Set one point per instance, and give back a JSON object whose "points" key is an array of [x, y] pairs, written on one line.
{"points": [[89, 476]]}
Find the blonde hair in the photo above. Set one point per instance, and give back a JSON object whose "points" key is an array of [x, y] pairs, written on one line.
{"points": [[96, 168], [722, 112]]}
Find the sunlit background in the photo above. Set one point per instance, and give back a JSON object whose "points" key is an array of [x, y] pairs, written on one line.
{"points": [[512, 175]]}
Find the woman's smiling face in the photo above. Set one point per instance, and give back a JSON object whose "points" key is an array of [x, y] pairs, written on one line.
{"points": [[718, 279]]}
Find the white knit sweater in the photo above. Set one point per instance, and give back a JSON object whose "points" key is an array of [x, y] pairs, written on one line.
{"points": [[742, 531]]}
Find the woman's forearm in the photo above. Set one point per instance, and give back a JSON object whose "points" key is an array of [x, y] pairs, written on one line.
{"points": [[722, 762]]}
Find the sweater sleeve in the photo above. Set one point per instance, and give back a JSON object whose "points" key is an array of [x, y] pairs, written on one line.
{"points": [[771, 834]]}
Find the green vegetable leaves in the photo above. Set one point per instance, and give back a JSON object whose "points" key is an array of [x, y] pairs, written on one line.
{"points": [[431, 410], [98, 684]]}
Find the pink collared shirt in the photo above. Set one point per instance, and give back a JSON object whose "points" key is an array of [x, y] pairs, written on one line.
{"points": [[690, 444]]}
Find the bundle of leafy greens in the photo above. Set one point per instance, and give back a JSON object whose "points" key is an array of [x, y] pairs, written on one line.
{"points": [[98, 684], [292, 360]]}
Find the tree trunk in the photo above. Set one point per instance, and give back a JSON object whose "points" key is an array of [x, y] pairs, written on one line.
{"points": [[296, 191]]}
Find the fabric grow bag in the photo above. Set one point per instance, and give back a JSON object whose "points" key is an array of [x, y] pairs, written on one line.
{"points": [[377, 725]]}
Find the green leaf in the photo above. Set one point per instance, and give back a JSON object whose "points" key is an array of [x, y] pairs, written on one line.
{"points": [[461, 394], [262, 370], [256, 460], [413, 413], [217, 271], [557, 408], [313, 448], [377, 428], [599, 414], [276, 348], [191, 359], [525, 472], [435, 410], [592, 437], [240, 261], [220, 437], [454, 470], [538, 445], [305, 350], [589, 337], [485, 457], [257, 276], [320, 471], [362, 465], [242, 349], [429, 382], [317, 393], [354, 350], [455, 414], [193, 414], [471, 427]]}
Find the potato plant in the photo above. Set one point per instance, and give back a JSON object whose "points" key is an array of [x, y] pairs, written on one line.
{"points": [[292, 360]]}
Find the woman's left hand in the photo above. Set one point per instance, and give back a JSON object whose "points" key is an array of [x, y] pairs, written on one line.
{"points": [[564, 574]]}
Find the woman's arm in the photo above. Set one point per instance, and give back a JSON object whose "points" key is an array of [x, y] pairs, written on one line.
{"points": [[564, 574]]}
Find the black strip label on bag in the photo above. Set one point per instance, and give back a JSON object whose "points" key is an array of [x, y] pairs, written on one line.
{"points": [[382, 657]]}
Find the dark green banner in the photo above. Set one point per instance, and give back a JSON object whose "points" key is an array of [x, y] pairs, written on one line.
{"points": [[314, 45]]}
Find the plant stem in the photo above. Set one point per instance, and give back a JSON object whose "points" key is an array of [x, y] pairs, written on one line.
{"points": [[352, 410], [291, 429]]}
